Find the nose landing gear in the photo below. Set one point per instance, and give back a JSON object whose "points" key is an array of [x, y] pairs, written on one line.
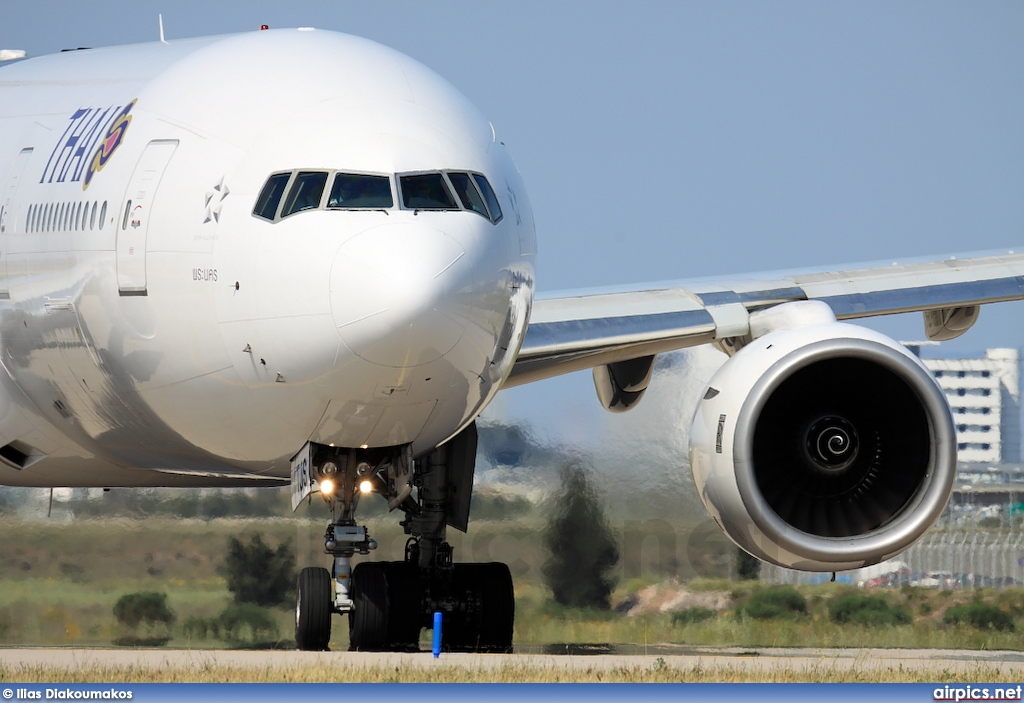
{"points": [[388, 603]]}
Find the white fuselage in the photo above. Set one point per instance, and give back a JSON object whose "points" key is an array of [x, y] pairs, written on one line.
{"points": [[155, 332]]}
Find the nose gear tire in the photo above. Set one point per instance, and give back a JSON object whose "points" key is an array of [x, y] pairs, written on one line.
{"points": [[313, 609]]}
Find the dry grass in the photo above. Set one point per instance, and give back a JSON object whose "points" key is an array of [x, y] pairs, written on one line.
{"points": [[512, 671]]}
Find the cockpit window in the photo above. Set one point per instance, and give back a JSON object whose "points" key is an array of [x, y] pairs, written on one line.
{"points": [[357, 191], [467, 192], [290, 192], [489, 196], [306, 192], [426, 191], [270, 197]]}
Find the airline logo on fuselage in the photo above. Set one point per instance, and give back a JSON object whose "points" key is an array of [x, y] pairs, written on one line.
{"points": [[76, 156]]}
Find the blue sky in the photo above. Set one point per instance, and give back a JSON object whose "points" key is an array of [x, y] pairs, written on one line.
{"points": [[664, 140]]}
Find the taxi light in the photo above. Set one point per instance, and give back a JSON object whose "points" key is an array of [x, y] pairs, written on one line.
{"points": [[366, 486], [327, 486]]}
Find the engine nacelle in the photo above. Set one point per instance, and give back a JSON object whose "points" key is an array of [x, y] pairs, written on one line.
{"points": [[823, 448]]}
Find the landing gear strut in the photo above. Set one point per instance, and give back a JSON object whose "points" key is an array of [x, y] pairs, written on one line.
{"points": [[388, 603]]}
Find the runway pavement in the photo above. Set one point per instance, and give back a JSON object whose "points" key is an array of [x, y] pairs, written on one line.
{"points": [[1008, 664]]}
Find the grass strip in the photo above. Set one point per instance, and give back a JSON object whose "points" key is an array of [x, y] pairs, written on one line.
{"points": [[659, 671]]}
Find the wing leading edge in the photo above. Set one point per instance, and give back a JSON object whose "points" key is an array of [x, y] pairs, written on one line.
{"points": [[583, 329]]}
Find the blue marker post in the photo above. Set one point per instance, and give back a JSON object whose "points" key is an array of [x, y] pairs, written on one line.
{"points": [[437, 634]]}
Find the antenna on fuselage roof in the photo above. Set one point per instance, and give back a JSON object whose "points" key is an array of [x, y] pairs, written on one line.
{"points": [[160, 19], [11, 54]]}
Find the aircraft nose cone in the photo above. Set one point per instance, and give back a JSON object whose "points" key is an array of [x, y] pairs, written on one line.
{"points": [[391, 287]]}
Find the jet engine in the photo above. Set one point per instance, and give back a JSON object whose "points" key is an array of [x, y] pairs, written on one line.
{"points": [[823, 447]]}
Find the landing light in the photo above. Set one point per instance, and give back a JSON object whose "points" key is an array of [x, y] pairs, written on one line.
{"points": [[366, 486], [327, 486]]}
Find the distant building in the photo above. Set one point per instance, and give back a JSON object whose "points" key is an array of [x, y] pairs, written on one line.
{"points": [[984, 395]]}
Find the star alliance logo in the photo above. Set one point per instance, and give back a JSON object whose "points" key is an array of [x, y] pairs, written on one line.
{"points": [[215, 201]]}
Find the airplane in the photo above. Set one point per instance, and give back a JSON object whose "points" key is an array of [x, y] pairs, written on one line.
{"points": [[298, 257]]}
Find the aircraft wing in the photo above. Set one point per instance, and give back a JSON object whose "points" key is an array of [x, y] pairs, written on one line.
{"points": [[582, 329]]}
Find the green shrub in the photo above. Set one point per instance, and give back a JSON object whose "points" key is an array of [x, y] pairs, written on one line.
{"points": [[913, 593], [247, 624], [775, 603], [983, 616], [258, 574], [200, 628], [692, 615], [862, 609], [148, 610], [146, 607]]}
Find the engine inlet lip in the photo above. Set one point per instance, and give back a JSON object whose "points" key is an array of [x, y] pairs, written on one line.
{"points": [[916, 517]]}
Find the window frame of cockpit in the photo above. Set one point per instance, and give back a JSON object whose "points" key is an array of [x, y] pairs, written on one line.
{"points": [[476, 177], [460, 206], [325, 195], [277, 208], [456, 200], [392, 185], [395, 184], [291, 198], [471, 182], [474, 181]]}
